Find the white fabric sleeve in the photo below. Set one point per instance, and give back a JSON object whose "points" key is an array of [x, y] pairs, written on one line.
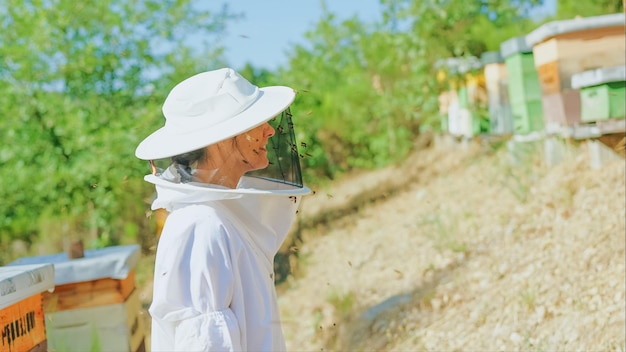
{"points": [[213, 331], [193, 288]]}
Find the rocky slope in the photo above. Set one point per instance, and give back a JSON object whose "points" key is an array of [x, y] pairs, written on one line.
{"points": [[463, 247]]}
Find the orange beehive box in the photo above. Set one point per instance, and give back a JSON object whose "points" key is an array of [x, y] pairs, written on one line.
{"points": [[101, 281], [89, 293], [22, 322]]}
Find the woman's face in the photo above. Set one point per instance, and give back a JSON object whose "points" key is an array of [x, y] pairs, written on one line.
{"points": [[252, 146]]}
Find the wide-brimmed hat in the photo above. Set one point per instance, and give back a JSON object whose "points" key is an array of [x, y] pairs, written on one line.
{"points": [[210, 107]]}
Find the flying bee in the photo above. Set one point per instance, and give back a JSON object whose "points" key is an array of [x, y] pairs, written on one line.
{"points": [[303, 144], [293, 198]]}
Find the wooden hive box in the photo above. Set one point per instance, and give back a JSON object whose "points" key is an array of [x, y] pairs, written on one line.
{"points": [[85, 289], [460, 97], [500, 118], [524, 90], [22, 320], [564, 48], [602, 93], [111, 327]]}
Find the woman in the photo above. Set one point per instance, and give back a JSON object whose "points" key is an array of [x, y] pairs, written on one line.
{"points": [[214, 278]]}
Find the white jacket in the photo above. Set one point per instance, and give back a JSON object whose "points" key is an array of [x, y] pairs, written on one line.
{"points": [[214, 273]]}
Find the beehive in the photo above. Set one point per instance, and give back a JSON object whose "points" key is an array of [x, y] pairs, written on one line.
{"points": [[467, 92], [602, 93], [524, 90], [95, 303], [22, 322], [564, 48], [500, 118]]}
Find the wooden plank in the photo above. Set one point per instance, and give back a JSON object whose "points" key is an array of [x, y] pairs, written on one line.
{"points": [[588, 53], [549, 78], [40, 347], [22, 325], [135, 322], [142, 346], [599, 128], [89, 293], [592, 33], [562, 109], [115, 327]]}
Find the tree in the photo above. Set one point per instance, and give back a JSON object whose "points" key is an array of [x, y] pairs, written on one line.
{"points": [[77, 96], [370, 87], [566, 9]]}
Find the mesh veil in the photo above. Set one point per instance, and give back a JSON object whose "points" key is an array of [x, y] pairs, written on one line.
{"points": [[282, 153]]}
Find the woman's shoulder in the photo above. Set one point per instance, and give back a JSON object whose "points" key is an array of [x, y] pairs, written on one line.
{"points": [[209, 222]]}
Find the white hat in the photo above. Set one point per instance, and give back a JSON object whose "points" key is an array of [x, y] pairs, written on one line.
{"points": [[210, 107]]}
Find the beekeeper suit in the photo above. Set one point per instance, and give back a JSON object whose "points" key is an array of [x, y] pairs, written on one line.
{"points": [[230, 180]]}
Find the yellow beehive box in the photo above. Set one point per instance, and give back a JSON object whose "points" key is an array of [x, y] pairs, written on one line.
{"points": [[22, 323]]}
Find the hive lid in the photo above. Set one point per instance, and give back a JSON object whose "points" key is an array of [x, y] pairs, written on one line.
{"points": [[599, 76], [18, 282], [514, 46], [459, 65], [555, 28], [110, 262], [490, 57]]}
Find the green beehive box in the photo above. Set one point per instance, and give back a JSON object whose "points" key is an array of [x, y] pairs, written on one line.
{"points": [[480, 124], [527, 117], [523, 80], [603, 102], [520, 63], [463, 97], [602, 93]]}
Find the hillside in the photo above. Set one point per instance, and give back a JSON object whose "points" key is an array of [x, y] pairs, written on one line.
{"points": [[462, 247], [471, 247]]}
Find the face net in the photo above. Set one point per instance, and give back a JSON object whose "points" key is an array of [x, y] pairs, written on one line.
{"points": [[282, 171], [282, 153]]}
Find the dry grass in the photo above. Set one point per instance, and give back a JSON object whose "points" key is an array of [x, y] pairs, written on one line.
{"points": [[473, 253]]}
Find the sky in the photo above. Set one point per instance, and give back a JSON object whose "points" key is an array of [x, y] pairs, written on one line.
{"points": [[270, 27]]}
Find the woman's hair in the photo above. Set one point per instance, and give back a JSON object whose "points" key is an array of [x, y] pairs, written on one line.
{"points": [[182, 163]]}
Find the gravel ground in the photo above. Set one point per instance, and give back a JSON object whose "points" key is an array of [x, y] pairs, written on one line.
{"points": [[471, 249]]}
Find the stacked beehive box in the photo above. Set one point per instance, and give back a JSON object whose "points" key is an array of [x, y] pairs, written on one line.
{"points": [[602, 111], [602, 93], [449, 98], [95, 305], [22, 323], [501, 120], [523, 86], [466, 94], [564, 48]]}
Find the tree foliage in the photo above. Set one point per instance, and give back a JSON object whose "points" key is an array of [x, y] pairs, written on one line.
{"points": [[368, 89], [77, 96], [83, 82]]}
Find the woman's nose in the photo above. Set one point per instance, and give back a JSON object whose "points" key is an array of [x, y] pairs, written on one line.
{"points": [[268, 131]]}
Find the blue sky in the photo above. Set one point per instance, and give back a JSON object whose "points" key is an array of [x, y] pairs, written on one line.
{"points": [[270, 27]]}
